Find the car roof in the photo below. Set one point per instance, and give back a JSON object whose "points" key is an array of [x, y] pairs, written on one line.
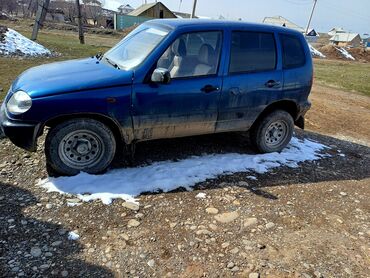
{"points": [[212, 23]]}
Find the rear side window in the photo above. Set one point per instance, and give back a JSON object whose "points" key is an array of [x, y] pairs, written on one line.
{"points": [[293, 53], [252, 52]]}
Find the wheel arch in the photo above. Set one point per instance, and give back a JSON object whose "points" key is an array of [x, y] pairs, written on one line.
{"points": [[112, 124], [287, 105]]}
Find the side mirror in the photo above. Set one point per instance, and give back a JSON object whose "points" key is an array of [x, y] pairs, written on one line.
{"points": [[161, 75]]}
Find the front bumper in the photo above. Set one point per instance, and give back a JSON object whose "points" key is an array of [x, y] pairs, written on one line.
{"points": [[21, 133]]}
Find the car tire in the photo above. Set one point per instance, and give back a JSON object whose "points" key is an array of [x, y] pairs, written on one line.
{"points": [[273, 132], [79, 145]]}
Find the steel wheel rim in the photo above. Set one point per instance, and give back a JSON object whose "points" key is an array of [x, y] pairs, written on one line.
{"points": [[81, 149], [276, 133]]}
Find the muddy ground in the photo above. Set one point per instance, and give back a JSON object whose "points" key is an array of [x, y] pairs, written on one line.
{"points": [[311, 221]]}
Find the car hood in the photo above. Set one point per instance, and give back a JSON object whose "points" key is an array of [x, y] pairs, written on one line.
{"points": [[70, 76]]}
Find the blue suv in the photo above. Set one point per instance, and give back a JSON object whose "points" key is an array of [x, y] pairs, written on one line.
{"points": [[166, 79]]}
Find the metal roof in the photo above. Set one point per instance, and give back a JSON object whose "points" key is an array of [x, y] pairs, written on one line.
{"points": [[142, 9], [281, 21], [344, 37]]}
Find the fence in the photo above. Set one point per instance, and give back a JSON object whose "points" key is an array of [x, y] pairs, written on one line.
{"points": [[122, 21]]}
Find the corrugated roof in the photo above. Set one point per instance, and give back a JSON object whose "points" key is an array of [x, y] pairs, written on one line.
{"points": [[344, 37], [142, 9], [280, 21]]}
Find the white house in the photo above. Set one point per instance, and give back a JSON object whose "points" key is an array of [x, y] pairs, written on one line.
{"points": [[335, 30], [281, 21]]}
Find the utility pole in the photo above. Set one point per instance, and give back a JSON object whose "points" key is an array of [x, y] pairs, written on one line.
{"points": [[80, 27], [42, 9], [194, 7], [309, 21]]}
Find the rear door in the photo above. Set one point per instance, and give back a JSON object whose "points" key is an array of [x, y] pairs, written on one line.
{"points": [[253, 80]]}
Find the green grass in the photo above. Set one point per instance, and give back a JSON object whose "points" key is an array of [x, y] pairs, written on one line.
{"points": [[64, 42], [350, 76]]}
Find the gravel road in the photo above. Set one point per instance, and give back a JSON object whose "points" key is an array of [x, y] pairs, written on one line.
{"points": [[311, 221]]}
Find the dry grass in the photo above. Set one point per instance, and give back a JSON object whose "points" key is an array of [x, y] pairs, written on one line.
{"points": [[351, 76]]}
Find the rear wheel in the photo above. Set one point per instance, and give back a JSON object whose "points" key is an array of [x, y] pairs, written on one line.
{"points": [[79, 145], [273, 132]]}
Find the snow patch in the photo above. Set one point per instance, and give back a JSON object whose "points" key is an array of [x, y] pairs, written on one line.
{"points": [[129, 183], [315, 52], [73, 236], [345, 53], [16, 44], [252, 178], [201, 195]]}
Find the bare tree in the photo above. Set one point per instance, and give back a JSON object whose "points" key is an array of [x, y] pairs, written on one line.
{"points": [[93, 10], [9, 5]]}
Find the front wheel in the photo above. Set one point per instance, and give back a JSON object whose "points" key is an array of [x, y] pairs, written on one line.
{"points": [[273, 132], [79, 145]]}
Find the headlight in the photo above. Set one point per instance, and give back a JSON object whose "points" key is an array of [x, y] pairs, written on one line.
{"points": [[19, 103]]}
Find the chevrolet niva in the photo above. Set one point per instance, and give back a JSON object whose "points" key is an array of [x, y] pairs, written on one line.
{"points": [[166, 79]]}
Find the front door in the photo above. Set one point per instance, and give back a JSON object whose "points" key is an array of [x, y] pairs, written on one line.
{"points": [[252, 82], [188, 105]]}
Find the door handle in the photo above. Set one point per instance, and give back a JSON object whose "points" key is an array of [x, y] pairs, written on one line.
{"points": [[209, 88], [272, 83]]}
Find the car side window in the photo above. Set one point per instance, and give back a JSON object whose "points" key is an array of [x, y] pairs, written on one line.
{"points": [[293, 52], [193, 54], [252, 52]]}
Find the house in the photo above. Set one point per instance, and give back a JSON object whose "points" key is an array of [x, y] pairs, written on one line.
{"points": [[153, 10], [111, 6], [281, 21], [312, 36], [55, 15], [346, 39], [125, 9], [366, 42], [335, 30]]}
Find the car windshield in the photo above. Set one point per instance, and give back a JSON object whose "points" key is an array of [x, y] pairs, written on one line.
{"points": [[133, 49]]}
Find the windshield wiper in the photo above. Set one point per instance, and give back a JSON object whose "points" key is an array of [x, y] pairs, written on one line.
{"points": [[112, 63], [99, 55]]}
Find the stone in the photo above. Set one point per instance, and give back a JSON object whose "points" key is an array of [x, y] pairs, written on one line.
{"points": [[234, 250], [225, 245], [203, 232], [131, 206], [173, 225], [151, 263], [124, 236], [249, 222], [62, 231], [254, 275], [235, 269], [35, 252], [270, 225], [48, 206], [56, 243], [227, 217], [64, 273], [343, 194], [133, 223], [44, 266], [230, 265], [48, 254], [211, 210]]}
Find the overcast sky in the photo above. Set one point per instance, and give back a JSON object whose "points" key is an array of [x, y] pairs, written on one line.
{"points": [[353, 15]]}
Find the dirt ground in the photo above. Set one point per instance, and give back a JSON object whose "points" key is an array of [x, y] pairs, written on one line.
{"points": [[339, 114], [311, 221]]}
